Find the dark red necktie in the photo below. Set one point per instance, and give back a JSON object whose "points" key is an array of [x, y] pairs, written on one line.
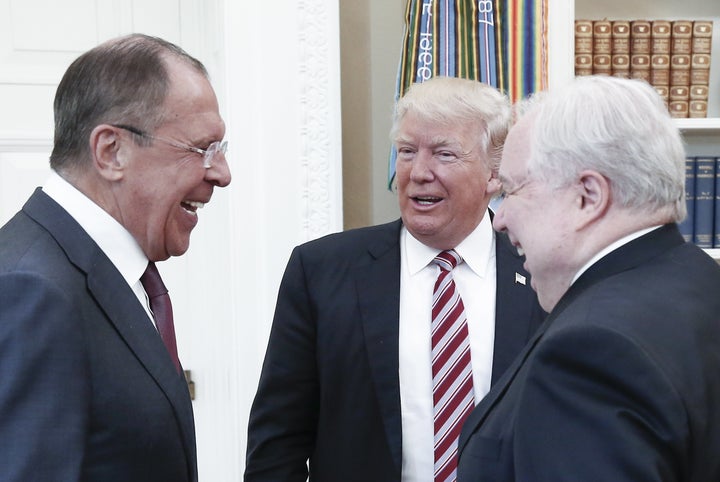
{"points": [[162, 309]]}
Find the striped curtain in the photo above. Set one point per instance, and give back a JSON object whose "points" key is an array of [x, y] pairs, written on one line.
{"points": [[501, 43]]}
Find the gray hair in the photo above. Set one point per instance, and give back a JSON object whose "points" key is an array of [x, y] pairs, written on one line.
{"points": [[122, 81], [451, 100], [618, 127]]}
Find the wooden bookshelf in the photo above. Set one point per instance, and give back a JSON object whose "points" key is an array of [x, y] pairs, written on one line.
{"points": [[702, 136]]}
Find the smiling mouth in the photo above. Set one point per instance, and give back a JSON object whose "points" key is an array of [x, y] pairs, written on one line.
{"points": [[192, 206], [426, 200]]}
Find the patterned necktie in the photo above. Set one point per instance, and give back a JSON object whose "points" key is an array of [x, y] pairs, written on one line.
{"points": [[162, 309], [451, 367]]}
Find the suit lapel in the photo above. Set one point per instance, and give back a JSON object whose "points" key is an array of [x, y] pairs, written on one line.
{"points": [[481, 411], [514, 304], [130, 319], [378, 288], [119, 304]]}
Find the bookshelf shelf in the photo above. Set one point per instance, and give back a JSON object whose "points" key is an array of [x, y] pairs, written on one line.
{"points": [[709, 125]]}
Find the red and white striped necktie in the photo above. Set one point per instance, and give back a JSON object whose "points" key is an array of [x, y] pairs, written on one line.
{"points": [[451, 367]]}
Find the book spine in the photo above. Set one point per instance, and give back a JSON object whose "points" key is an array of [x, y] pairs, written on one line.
{"points": [[702, 36], [680, 50], [660, 57], [640, 37], [700, 67], [602, 47], [697, 107], [679, 101], [687, 225], [583, 47], [704, 201], [620, 49]]}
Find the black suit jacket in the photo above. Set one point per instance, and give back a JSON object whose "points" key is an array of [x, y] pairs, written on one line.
{"points": [[621, 383], [87, 389], [329, 389]]}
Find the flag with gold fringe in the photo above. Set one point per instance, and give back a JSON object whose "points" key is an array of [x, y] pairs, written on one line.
{"points": [[501, 43]]}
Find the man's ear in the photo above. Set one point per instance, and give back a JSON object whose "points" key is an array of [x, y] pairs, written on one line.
{"points": [[106, 150], [594, 196], [493, 185]]}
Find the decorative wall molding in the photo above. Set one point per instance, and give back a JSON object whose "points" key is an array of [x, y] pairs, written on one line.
{"points": [[320, 138]]}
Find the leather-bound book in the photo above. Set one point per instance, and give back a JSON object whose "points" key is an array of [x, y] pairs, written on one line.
{"points": [[640, 36], [602, 47], [700, 67], [620, 50], [583, 47]]}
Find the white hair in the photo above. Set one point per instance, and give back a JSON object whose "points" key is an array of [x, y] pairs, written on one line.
{"points": [[452, 100], [618, 127]]}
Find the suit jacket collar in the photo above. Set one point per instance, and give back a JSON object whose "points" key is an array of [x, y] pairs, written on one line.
{"points": [[628, 256], [515, 304], [112, 293]]}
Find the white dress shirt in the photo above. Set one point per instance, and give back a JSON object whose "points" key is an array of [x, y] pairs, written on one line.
{"points": [[476, 281], [113, 239]]}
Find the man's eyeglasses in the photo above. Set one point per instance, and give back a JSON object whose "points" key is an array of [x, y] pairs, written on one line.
{"points": [[209, 154], [504, 193]]}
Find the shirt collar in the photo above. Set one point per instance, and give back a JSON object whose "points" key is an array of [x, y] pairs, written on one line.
{"points": [[610, 248], [476, 249], [113, 239]]}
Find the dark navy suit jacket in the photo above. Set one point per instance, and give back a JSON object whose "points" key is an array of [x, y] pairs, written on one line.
{"points": [[329, 389], [87, 389], [621, 383]]}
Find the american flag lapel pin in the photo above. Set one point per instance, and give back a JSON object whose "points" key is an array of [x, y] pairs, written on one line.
{"points": [[519, 278]]}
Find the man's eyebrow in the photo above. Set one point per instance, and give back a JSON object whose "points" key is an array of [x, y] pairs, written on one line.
{"points": [[435, 142]]}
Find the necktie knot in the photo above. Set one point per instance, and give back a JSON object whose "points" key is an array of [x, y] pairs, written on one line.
{"points": [[152, 282], [447, 260]]}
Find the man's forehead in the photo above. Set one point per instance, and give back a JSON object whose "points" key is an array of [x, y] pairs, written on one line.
{"points": [[516, 150], [520, 133], [435, 137]]}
